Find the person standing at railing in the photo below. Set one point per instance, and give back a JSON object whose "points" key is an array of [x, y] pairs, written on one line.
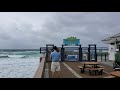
{"points": [[55, 65]]}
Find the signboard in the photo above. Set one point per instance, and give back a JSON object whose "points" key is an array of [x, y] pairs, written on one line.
{"points": [[71, 41], [72, 57]]}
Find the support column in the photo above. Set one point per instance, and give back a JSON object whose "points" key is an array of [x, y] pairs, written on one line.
{"points": [[95, 54], [101, 57], [80, 53], [40, 50], [105, 57], [119, 48], [46, 51], [62, 54], [89, 53]]}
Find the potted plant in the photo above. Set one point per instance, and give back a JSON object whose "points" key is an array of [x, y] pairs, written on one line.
{"points": [[116, 64]]}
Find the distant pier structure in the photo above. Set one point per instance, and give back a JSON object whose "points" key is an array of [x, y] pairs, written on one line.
{"points": [[72, 50]]}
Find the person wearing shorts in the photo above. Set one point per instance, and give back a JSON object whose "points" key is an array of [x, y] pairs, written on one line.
{"points": [[55, 65]]}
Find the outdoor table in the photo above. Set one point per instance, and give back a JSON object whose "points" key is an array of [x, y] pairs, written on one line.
{"points": [[116, 73], [91, 63]]}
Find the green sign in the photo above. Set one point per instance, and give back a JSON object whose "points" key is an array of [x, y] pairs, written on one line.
{"points": [[71, 41]]}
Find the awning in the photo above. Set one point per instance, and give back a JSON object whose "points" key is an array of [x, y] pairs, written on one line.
{"points": [[113, 39]]}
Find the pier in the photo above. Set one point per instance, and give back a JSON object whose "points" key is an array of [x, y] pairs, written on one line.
{"points": [[77, 61], [68, 70]]}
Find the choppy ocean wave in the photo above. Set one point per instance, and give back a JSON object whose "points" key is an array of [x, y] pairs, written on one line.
{"points": [[18, 67], [19, 64], [4, 56], [14, 56], [19, 54]]}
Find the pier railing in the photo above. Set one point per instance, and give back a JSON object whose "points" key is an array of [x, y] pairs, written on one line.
{"points": [[103, 57], [41, 69]]}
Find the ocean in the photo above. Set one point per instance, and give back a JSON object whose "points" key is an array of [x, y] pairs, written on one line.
{"points": [[19, 63]]}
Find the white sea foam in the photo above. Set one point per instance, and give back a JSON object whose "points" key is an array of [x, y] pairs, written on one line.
{"points": [[18, 67], [16, 56]]}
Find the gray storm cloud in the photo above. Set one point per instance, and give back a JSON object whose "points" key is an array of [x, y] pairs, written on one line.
{"points": [[35, 29]]}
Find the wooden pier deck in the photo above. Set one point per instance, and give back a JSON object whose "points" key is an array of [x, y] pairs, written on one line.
{"points": [[66, 72], [69, 70]]}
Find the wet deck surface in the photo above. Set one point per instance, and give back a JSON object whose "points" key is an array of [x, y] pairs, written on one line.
{"points": [[66, 73]]}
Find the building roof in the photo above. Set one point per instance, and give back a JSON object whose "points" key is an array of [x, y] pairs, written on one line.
{"points": [[112, 39]]}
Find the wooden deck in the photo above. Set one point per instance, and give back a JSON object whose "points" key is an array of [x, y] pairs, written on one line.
{"points": [[65, 72], [68, 70], [68, 73]]}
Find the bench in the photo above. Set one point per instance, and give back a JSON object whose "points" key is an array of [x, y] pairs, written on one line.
{"points": [[88, 66], [96, 70], [81, 68], [99, 66], [110, 77], [100, 70], [117, 69]]}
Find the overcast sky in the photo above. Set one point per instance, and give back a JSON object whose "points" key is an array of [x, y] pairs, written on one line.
{"points": [[21, 30]]}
